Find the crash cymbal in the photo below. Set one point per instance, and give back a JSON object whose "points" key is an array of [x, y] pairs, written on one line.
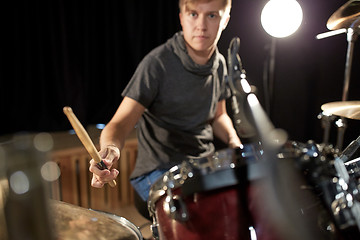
{"points": [[348, 109], [344, 16], [74, 222]]}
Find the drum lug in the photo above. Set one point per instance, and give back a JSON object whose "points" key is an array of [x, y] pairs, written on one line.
{"points": [[177, 208], [155, 230]]}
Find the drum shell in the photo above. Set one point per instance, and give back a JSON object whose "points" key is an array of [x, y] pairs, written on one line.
{"points": [[212, 215], [224, 213]]}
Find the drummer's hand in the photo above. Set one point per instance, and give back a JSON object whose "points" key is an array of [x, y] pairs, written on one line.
{"points": [[234, 142], [109, 155]]}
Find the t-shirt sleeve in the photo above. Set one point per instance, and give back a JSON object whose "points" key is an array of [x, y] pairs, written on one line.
{"points": [[143, 86]]}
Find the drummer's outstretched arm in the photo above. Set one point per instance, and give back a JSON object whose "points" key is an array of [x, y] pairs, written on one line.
{"points": [[223, 127], [112, 140]]}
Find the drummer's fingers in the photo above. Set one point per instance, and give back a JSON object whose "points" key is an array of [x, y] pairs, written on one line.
{"points": [[110, 152], [103, 176], [114, 173], [95, 182], [99, 182], [96, 170]]}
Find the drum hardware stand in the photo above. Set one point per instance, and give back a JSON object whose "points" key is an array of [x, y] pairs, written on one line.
{"points": [[351, 38], [349, 197], [341, 125], [326, 120], [352, 161], [350, 150], [239, 89], [352, 33]]}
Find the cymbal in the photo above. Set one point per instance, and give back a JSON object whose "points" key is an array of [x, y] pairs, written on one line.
{"points": [[344, 16], [74, 222], [348, 109]]}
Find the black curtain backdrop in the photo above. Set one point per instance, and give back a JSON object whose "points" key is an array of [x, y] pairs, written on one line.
{"points": [[82, 53], [79, 53]]}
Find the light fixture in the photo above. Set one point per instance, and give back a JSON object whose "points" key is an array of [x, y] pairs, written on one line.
{"points": [[281, 18]]}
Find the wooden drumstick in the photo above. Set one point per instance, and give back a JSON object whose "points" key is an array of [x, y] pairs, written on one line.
{"points": [[86, 140]]}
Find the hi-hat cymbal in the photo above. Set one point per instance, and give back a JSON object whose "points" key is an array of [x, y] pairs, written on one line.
{"points": [[348, 109], [344, 16]]}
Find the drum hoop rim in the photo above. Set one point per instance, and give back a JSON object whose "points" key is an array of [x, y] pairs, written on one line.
{"points": [[123, 221]]}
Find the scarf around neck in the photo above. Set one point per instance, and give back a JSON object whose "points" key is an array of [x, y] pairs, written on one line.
{"points": [[177, 42]]}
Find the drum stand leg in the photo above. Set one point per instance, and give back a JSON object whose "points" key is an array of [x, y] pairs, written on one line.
{"points": [[341, 127], [326, 121]]}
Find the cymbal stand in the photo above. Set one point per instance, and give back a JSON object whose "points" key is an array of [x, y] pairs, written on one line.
{"points": [[341, 125], [352, 34], [326, 120]]}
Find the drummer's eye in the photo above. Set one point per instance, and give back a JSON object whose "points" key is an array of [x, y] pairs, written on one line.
{"points": [[193, 14]]}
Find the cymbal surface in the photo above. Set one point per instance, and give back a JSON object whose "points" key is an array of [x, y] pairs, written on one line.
{"points": [[345, 16], [74, 222], [347, 109]]}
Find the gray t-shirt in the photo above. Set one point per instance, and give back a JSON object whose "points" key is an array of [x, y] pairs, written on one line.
{"points": [[180, 98]]}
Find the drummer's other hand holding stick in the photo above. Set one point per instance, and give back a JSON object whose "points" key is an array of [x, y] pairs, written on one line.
{"points": [[86, 141]]}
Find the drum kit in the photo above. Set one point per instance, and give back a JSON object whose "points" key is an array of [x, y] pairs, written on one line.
{"points": [[271, 188]]}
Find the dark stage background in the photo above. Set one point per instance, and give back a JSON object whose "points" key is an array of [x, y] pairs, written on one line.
{"points": [[82, 53]]}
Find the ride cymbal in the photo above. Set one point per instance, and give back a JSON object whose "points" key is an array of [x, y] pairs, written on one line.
{"points": [[348, 109], [344, 16]]}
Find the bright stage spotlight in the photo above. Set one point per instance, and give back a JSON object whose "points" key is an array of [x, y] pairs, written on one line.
{"points": [[281, 18]]}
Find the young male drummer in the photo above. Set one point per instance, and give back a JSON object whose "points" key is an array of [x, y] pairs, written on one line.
{"points": [[176, 99]]}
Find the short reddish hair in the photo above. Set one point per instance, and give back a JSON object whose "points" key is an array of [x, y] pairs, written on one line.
{"points": [[226, 3]]}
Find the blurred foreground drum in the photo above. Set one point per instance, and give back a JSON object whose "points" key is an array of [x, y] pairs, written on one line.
{"points": [[74, 222]]}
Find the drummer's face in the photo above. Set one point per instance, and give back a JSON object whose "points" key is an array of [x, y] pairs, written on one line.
{"points": [[202, 23]]}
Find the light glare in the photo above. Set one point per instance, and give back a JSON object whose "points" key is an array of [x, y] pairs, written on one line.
{"points": [[50, 171], [245, 85], [19, 182], [281, 18]]}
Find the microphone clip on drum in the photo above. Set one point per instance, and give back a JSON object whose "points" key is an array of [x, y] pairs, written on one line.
{"points": [[240, 89]]}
